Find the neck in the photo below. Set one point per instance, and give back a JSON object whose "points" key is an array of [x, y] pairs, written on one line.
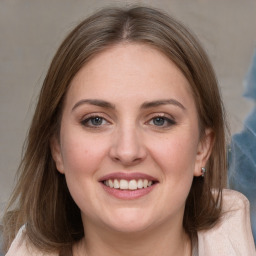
{"points": [[164, 241]]}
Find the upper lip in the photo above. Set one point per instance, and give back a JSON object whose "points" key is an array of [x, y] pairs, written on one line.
{"points": [[127, 176]]}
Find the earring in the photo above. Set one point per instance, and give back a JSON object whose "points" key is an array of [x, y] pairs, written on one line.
{"points": [[203, 171]]}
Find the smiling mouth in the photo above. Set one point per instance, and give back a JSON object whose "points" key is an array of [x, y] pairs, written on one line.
{"points": [[133, 184]]}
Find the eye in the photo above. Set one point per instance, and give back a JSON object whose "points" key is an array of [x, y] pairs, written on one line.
{"points": [[161, 121], [94, 121]]}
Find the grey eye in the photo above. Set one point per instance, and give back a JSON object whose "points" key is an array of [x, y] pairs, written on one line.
{"points": [[159, 121], [162, 121], [96, 121]]}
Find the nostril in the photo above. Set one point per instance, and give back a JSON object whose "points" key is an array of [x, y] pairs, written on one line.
{"points": [[128, 162], [127, 148]]}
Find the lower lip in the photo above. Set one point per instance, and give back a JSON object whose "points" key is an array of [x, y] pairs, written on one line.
{"points": [[128, 194]]}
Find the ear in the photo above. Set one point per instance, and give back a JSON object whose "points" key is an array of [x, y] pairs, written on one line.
{"points": [[56, 154], [204, 150]]}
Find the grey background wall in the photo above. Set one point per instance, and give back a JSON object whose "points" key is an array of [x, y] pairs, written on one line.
{"points": [[30, 32]]}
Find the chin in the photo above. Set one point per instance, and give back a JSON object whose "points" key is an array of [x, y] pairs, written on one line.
{"points": [[130, 221]]}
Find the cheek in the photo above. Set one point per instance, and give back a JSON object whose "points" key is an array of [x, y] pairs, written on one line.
{"points": [[81, 154], [176, 156], [82, 158]]}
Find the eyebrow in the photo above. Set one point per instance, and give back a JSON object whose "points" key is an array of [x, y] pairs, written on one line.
{"points": [[99, 103], [145, 105], [162, 102]]}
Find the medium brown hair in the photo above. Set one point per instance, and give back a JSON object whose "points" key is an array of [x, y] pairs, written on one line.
{"points": [[41, 199]]}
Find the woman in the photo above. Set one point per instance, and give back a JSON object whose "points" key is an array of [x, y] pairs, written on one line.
{"points": [[126, 150]]}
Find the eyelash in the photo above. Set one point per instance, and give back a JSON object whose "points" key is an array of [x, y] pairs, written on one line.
{"points": [[167, 121], [85, 122]]}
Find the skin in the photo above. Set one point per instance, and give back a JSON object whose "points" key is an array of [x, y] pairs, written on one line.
{"points": [[129, 138]]}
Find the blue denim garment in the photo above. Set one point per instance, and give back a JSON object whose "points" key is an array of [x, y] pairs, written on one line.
{"points": [[242, 154]]}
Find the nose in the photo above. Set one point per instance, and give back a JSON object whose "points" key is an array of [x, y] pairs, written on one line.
{"points": [[127, 147]]}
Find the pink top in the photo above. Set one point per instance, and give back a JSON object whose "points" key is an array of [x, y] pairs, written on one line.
{"points": [[232, 236]]}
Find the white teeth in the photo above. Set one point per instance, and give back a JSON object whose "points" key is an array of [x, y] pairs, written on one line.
{"points": [[140, 184], [133, 184], [124, 184], [145, 183], [111, 184], [116, 183], [128, 185]]}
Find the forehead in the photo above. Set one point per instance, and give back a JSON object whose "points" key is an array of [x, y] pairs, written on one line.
{"points": [[129, 70]]}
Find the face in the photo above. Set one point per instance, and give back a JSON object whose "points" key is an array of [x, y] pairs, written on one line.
{"points": [[129, 140]]}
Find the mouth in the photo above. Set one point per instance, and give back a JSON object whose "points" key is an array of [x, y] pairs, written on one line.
{"points": [[124, 184], [128, 185]]}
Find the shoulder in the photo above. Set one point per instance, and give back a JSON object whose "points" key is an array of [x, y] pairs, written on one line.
{"points": [[232, 235], [21, 246]]}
